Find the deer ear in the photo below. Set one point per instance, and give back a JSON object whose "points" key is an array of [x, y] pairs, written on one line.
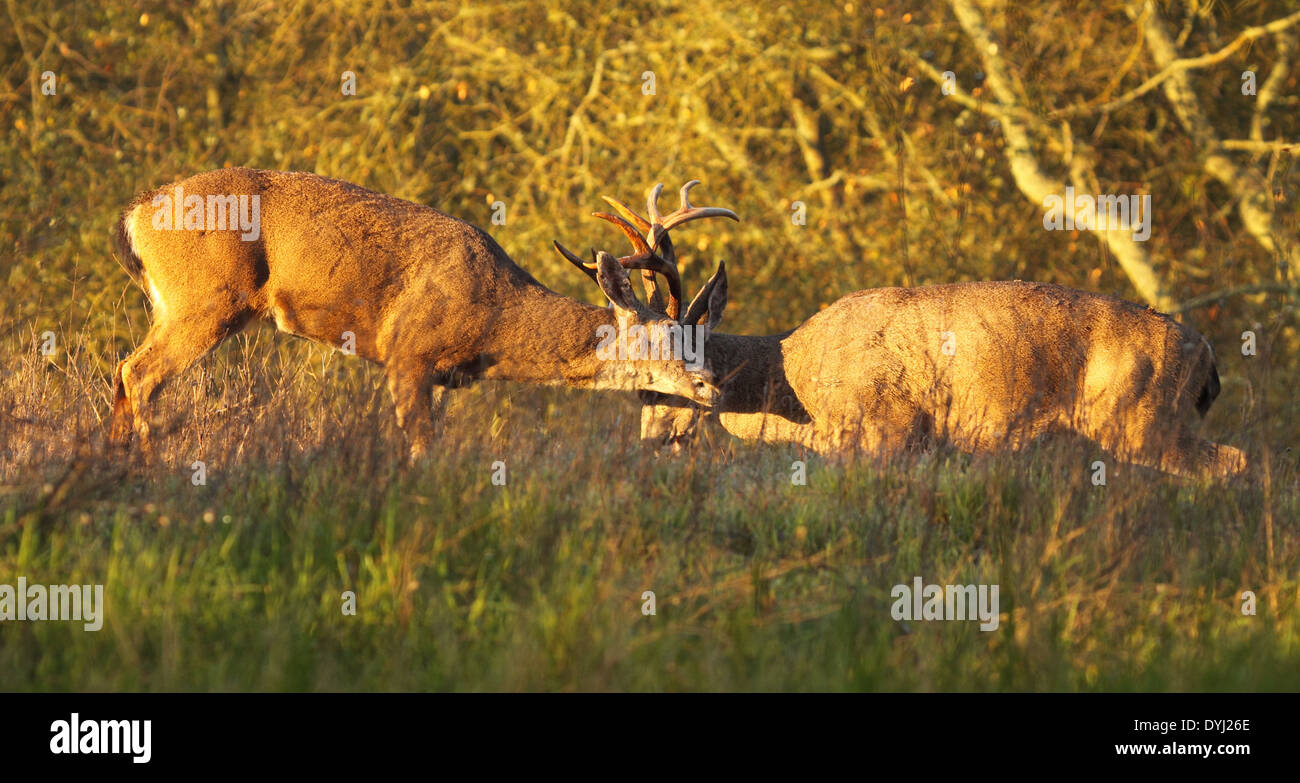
{"points": [[614, 282], [712, 297], [718, 296]]}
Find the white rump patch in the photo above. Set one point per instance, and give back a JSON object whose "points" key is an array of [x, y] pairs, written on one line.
{"points": [[130, 228], [151, 290]]}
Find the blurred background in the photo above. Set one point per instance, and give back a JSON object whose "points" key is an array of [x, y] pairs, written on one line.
{"points": [[863, 144]]}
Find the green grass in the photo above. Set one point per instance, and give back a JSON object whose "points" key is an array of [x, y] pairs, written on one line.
{"points": [[536, 585]]}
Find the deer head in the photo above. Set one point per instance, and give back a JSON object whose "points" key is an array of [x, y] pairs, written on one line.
{"points": [[665, 416], [655, 254], [645, 350]]}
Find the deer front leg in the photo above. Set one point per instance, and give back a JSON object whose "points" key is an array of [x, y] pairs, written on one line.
{"points": [[1179, 452], [1191, 456], [121, 424], [411, 385], [169, 348]]}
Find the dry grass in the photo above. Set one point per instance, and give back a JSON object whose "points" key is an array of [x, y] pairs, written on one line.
{"points": [[759, 583]]}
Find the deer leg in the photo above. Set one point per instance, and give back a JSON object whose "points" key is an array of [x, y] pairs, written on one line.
{"points": [[1224, 461], [411, 385], [439, 396], [168, 349], [878, 427], [121, 423], [1195, 457]]}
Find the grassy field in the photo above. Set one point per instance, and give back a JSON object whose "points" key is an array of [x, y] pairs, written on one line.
{"points": [[460, 584]]}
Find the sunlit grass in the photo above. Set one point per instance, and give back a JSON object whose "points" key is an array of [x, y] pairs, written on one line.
{"points": [[537, 585]]}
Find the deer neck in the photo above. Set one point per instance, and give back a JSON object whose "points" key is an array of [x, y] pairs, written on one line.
{"points": [[543, 337], [758, 381]]}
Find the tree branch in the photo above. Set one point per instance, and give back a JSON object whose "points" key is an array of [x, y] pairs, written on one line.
{"points": [[1029, 175], [1241, 290], [1181, 66]]}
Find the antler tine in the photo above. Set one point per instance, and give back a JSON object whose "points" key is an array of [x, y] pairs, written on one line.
{"points": [[641, 223], [652, 203], [573, 258], [687, 212], [638, 241], [650, 263], [684, 195]]}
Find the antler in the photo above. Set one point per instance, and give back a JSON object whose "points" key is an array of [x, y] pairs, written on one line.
{"points": [[653, 245], [588, 267], [649, 262], [656, 240], [660, 225], [657, 227], [644, 259]]}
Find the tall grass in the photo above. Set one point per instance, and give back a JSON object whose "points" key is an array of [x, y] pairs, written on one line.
{"points": [[460, 584]]}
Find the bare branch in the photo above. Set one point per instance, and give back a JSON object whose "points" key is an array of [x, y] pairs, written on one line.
{"points": [[1250, 145], [1181, 66], [1025, 167], [1241, 290]]}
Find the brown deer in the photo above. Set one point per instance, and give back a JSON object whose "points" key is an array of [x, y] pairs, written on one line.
{"points": [[982, 366], [433, 299]]}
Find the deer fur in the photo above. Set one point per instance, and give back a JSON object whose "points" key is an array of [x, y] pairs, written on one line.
{"points": [[873, 372], [433, 299], [983, 366]]}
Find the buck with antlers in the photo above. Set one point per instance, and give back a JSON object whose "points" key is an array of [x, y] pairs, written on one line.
{"points": [[433, 299], [983, 366]]}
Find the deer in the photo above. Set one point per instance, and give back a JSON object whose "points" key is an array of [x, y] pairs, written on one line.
{"points": [[432, 299], [983, 366]]}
